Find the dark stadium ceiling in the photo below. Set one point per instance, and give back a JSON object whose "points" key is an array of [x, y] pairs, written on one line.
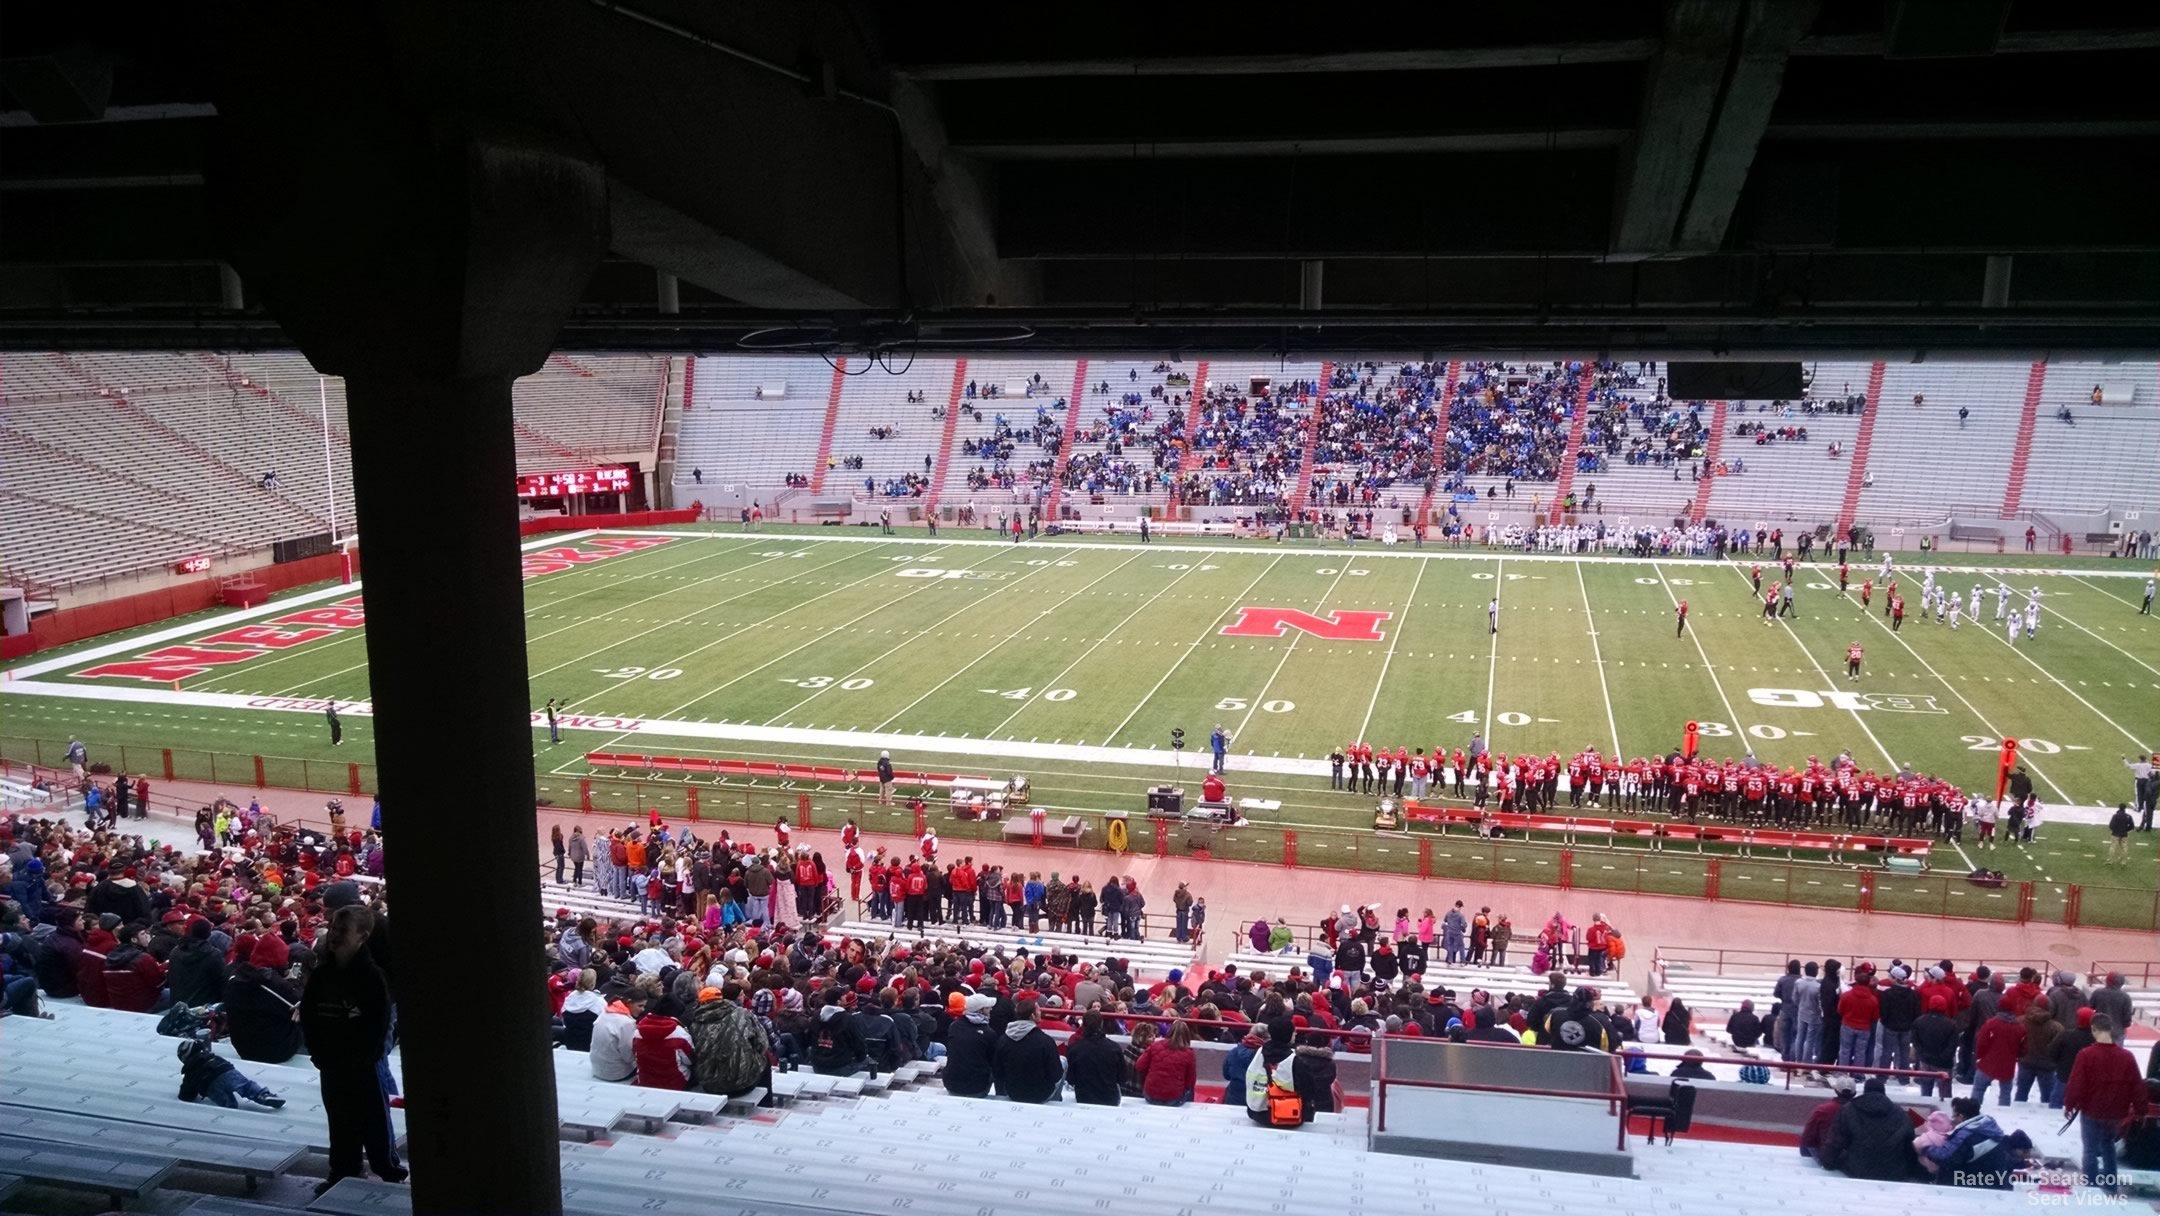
{"points": [[1904, 177]]}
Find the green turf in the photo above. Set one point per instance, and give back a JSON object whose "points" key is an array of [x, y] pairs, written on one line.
{"points": [[1110, 642]]}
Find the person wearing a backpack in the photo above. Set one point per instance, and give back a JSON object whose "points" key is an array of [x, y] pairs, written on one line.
{"points": [[732, 1055], [1272, 1096]]}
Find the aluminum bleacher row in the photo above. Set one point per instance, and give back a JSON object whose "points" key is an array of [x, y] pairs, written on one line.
{"points": [[844, 1144], [125, 461]]}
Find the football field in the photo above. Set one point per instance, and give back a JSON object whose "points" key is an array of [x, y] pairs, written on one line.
{"points": [[1073, 660]]}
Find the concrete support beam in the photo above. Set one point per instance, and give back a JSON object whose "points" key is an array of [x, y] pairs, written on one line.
{"points": [[952, 202], [1679, 101], [1769, 30], [430, 259], [1706, 103]]}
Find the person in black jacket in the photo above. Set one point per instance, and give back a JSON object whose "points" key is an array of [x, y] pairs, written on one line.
{"points": [[260, 1003], [1094, 1064], [967, 1049], [1898, 1007], [1872, 1138], [58, 953], [1743, 1026], [345, 1016], [1024, 1060], [197, 976], [120, 895], [836, 1042], [1312, 1074], [1935, 1043]]}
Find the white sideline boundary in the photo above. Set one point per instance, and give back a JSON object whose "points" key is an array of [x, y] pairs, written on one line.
{"points": [[1470, 553]]}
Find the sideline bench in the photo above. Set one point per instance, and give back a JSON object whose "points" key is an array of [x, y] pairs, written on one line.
{"points": [[115, 1174], [1067, 830], [709, 766]]}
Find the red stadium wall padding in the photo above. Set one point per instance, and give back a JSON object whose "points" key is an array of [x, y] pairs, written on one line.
{"points": [[149, 607], [625, 519]]}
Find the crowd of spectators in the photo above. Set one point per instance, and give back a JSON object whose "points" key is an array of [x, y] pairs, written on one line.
{"points": [[998, 465], [1509, 420], [1247, 447], [1376, 432]]}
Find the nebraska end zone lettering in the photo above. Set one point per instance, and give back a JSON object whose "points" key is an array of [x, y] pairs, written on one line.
{"points": [[1337, 626], [243, 643]]}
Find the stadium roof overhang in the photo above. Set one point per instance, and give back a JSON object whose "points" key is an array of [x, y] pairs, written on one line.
{"points": [[1693, 176]]}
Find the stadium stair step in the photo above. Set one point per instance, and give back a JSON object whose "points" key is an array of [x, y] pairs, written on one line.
{"points": [[1578, 424], [1072, 436], [1191, 458], [1439, 438], [1708, 481], [2021, 455], [832, 420], [1314, 421], [1857, 465], [945, 441]]}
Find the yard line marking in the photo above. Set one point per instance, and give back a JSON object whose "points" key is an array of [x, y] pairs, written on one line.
{"points": [[2060, 683], [1731, 715], [2133, 658], [2102, 590], [1172, 669], [1895, 636], [1492, 667], [1107, 635], [1289, 650], [1597, 655], [1810, 655], [530, 614], [987, 652], [687, 616], [927, 584], [969, 606], [1394, 640]]}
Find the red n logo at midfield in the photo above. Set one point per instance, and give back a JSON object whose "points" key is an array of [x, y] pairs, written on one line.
{"points": [[1337, 626]]}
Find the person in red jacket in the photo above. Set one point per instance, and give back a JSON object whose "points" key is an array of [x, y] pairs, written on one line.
{"points": [[663, 1053], [1597, 939], [963, 891], [1167, 1070], [2106, 1092], [1858, 1009], [1995, 1054], [2027, 990]]}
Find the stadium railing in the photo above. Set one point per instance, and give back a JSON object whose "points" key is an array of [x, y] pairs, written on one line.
{"points": [[1535, 863], [1756, 961], [184, 764]]}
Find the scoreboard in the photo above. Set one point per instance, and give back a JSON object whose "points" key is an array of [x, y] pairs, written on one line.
{"points": [[610, 479]]}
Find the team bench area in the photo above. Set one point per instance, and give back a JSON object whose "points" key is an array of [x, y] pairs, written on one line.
{"points": [[973, 796], [1895, 852]]}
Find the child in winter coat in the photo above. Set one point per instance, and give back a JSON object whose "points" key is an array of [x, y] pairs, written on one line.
{"points": [[206, 1075]]}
